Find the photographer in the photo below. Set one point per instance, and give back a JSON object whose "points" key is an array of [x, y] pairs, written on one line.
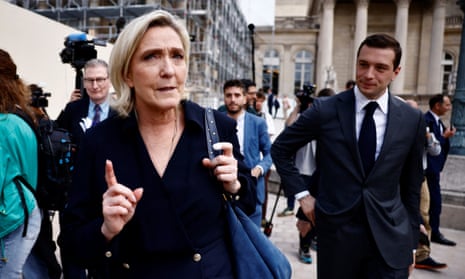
{"points": [[42, 262]]}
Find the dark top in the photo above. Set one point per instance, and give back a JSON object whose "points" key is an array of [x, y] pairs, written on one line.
{"points": [[179, 215]]}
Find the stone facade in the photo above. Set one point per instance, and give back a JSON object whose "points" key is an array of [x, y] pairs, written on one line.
{"points": [[294, 33]]}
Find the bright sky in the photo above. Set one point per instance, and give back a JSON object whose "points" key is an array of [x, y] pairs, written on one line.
{"points": [[258, 12]]}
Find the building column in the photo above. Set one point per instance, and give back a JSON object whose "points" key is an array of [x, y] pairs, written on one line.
{"points": [[325, 43], [361, 22], [457, 142], [287, 70], [434, 84], [397, 86]]}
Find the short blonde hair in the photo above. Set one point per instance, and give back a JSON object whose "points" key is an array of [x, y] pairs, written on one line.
{"points": [[126, 45]]}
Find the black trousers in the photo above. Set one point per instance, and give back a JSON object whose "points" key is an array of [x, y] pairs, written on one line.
{"points": [[350, 252]]}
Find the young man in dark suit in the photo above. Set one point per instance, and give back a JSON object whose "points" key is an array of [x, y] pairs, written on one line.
{"points": [[370, 162], [439, 105]]}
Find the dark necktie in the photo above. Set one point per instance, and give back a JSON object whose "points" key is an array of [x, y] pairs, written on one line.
{"points": [[96, 118], [367, 138], [441, 126]]}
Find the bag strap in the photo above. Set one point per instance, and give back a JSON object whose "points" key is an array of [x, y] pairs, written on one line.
{"points": [[211, 133], [26, 118], [212, 136], [28, 186]]}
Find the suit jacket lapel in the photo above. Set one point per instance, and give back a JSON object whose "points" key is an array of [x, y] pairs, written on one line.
{"points": [[346, 114], [84, 108], [432, 123], [245, 134], [394, 119]]}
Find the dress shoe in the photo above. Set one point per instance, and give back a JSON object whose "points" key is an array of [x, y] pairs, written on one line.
{"points": [[286, 212], [429, 263], [442, 240]]}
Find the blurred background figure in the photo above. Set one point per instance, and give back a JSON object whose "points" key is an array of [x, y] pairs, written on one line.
{"points": [[21, 218], [423, 259], [439, 105], [254, 140], [350, 84]]}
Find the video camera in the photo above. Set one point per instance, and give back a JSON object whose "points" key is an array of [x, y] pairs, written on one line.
{"points": [[78, 50], [39, 97], [305, 96]]}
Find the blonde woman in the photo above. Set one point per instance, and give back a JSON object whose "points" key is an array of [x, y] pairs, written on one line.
{"points": [[145, 201]]}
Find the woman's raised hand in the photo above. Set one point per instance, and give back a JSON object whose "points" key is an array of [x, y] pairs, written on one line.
{"points": [[118, 205]]}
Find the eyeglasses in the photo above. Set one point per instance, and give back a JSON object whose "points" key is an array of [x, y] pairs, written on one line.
{"points": [[99, 80]]}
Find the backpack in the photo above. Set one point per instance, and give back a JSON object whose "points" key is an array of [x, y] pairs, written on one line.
{"points": [[56, 153]]}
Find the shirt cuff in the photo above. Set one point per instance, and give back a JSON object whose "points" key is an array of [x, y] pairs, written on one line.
{"points": [[302, 194], [260, 167]]}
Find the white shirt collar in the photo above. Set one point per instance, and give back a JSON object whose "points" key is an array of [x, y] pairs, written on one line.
{"points": [[104, 106], [240, 130], [436, 117], [361, 101]]}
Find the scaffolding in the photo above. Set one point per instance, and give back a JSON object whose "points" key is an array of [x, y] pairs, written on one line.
{"points": [[221, 44]]}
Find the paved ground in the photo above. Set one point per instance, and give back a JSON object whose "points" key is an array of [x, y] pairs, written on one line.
{"points": [[285, 236]]}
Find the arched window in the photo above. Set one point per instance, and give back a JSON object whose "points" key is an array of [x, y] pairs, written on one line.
{"points": [[448, 74], [303, 69], [271, 70]]}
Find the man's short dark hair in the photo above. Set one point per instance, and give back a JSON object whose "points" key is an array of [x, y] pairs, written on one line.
{"points": [[247, 83], [436, 99], [383, 41], [326, 92], [350, 83], [234, 83], [261, 96]]}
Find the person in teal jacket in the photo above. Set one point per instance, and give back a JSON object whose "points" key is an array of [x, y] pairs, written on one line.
{"points": [[19, 219]]}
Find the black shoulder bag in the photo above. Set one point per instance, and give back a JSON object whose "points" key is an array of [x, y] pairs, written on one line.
{"points": [[255, 256]]}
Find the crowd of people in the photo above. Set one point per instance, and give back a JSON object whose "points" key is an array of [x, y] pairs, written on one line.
{"points": [[147, 202]]}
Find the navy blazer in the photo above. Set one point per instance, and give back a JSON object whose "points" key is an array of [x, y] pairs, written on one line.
{"points": [[180, 214], [72, 115], [436, 163], [256, 149], [390, 193]]}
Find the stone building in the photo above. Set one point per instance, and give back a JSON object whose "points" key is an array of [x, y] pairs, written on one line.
{"points": [[312, 41], [316, 42]]}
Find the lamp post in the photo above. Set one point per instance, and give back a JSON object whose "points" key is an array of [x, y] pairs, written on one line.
{"points": [[251, 29], [458, 109]]}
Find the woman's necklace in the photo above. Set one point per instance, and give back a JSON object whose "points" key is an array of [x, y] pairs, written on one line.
{"points": [[175, 133], [173, 137]]}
